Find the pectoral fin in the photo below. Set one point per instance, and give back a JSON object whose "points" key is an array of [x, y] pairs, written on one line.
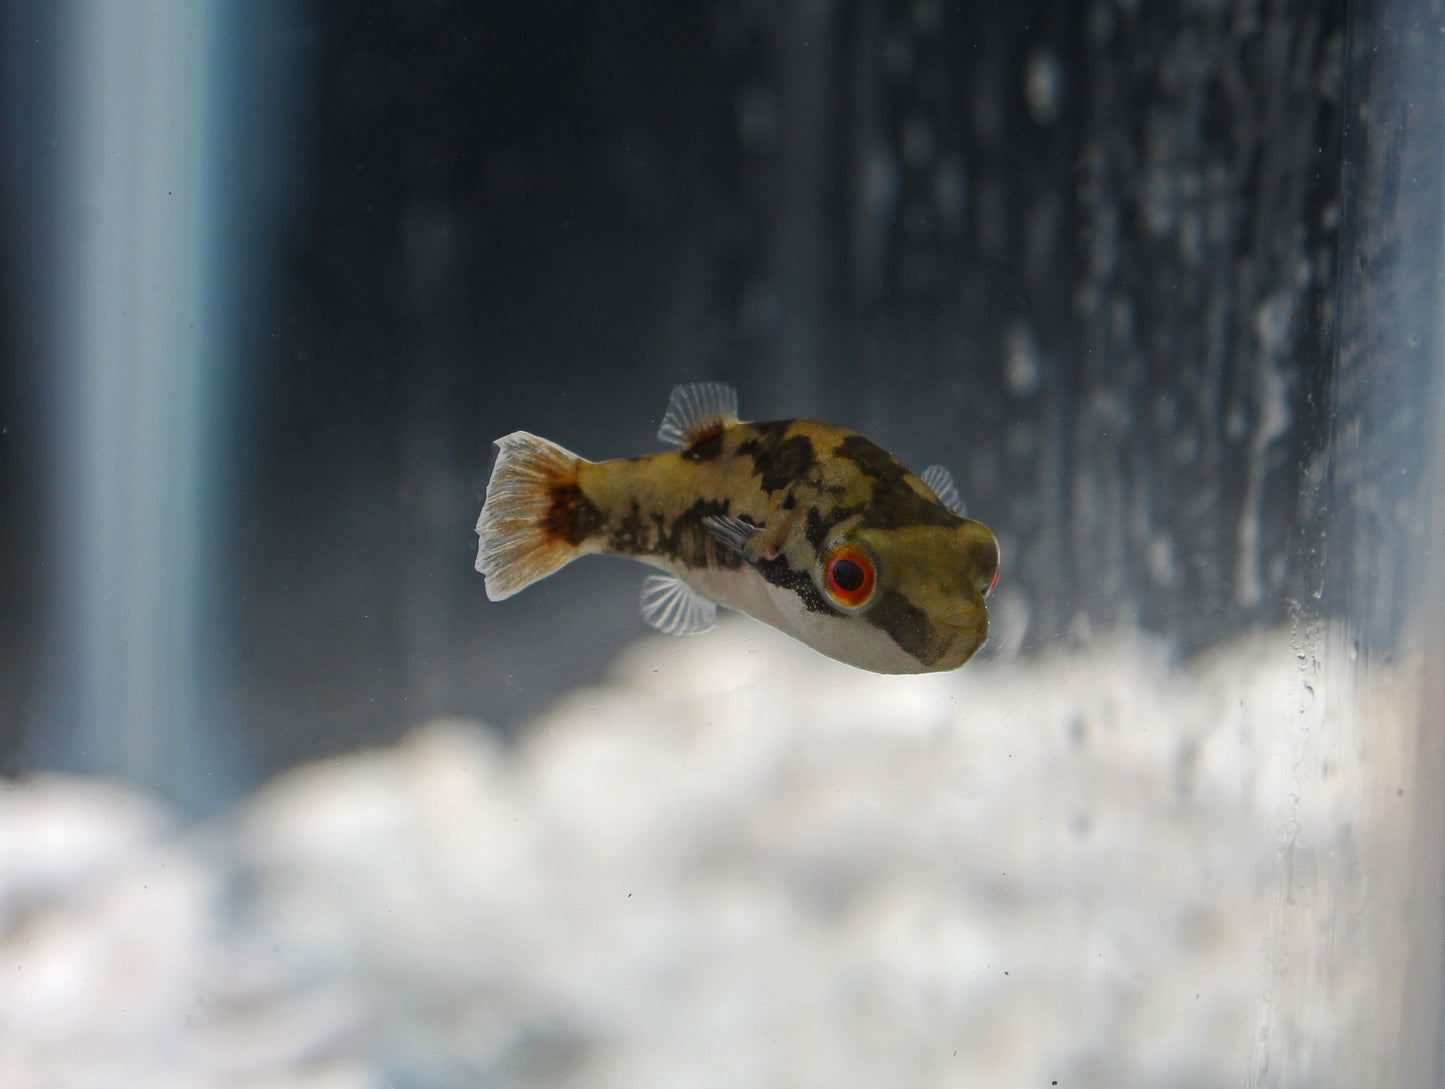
{"points": [[752, 542], [734, 533]]}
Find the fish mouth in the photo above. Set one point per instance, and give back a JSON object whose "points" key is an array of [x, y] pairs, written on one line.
{"points": [[975, 626], [972, 633]]}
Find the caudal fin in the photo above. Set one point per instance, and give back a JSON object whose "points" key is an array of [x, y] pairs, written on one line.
{"points": [[524, 529]]}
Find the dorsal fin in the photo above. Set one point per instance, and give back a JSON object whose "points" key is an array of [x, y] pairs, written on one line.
{"points": [[941, 481], [698, 411]]}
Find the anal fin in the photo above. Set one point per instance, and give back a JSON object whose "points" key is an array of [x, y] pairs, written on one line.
{"points": [[675, 608]]}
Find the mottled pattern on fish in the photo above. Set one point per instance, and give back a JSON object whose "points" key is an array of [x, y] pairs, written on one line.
{"points": [[805, 525]]}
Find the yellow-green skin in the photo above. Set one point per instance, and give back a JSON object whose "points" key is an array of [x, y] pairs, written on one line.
{"points": [[806, 485]]}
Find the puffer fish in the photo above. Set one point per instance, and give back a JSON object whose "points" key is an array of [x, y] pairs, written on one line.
{"points": [[804, 525]]}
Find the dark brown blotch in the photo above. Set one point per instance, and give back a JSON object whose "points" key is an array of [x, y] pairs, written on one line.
{"points": [[765, 436], [691, 542], [908, 626], [779, 572], [767, 431], [684, 538], [628, 535], [708, 448], [816, 527], [873, 461], [894, 504], [897, 506], [779, 463], [571, 515]]}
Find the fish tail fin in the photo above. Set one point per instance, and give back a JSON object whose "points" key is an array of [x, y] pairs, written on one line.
{"points": [[527, 528]]}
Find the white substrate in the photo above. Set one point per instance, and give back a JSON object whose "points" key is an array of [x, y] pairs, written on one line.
{"points": [[739, 864]]}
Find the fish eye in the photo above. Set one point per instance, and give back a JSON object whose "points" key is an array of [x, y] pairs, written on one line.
{"points": [[849, 575]]}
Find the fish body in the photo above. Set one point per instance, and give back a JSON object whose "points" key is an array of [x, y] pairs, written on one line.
{"points": [[804, 525]]}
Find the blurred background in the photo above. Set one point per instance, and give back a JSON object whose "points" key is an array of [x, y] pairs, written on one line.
{"points": [[1159, 283], [1084, 254]]}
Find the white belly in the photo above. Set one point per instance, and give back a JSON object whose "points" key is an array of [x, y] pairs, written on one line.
{"points": [[849, 639]]}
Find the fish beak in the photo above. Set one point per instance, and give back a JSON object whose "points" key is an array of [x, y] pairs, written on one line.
{"points": [[967, 616]]}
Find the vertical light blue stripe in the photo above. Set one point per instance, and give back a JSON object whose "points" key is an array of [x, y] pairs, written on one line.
{"points": [[130, 335]]}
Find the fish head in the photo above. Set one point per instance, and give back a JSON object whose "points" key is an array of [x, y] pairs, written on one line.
{"points": [[904, 599]]}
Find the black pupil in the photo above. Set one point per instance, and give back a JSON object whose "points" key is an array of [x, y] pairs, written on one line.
{"points": [[847, 575]]}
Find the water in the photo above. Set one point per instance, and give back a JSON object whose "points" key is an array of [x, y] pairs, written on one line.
{"points": [[291, 802]]}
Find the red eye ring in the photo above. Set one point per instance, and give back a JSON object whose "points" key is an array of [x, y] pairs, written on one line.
{"points": [[849, 575]]}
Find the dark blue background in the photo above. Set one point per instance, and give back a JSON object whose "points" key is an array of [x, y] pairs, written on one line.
{"points": [[541, 216]]}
